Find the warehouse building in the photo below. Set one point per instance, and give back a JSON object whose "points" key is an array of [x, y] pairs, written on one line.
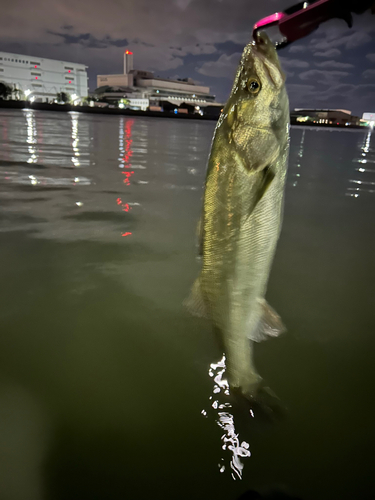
{"points": [[324, 116], [41, 79]]}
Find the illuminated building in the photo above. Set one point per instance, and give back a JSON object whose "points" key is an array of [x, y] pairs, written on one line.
{"points": [[368, 119], [139, 84], [41, 79], [324, 117]]}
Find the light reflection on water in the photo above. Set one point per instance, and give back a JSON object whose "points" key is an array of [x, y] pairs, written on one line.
{"points": [[34, 142], [367, 156], [31, 136], [299, 160], [75, 139], [225, 420], [126, 152]]}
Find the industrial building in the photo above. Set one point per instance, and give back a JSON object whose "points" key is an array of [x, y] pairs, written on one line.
{"points": [[41, 79], [324, 117], [138, 84]]}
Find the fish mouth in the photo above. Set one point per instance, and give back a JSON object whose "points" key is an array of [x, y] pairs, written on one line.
{"points": [[265, 48], [266, 52]]}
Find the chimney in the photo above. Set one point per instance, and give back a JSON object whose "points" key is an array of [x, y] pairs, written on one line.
{"points": [[128, 62]]}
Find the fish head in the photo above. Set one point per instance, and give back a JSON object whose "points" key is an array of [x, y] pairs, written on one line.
{"points": [[256, 117]]}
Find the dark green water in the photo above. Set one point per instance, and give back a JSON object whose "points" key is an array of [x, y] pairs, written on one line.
{"points": [[104, 377]]}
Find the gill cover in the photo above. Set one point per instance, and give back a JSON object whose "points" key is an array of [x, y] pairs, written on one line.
{"points": [[252, 109]]}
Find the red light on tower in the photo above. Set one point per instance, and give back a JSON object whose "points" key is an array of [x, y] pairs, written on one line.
{"points": [[69, 71], [70, 81], [128, 62], [36, 78], [35, 66]]}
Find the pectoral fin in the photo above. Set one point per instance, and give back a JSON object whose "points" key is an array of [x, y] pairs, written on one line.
{"points": [[267, 177]]}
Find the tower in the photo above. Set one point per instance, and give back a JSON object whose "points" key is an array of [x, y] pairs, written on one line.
{"points": [[128, 62]]}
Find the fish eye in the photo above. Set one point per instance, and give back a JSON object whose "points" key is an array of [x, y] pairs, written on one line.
{"points": [[253, 86]]}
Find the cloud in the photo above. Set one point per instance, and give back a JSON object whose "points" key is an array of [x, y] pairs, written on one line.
{"points": [[224, 67], [365, 90], [182, 3], [341, 95], [295, 49], [323, 77], [300, 89], [98, 32], [300, 95], [137, 41], [334, 65], [351, 41], [371, 57], [328, 53], [289, 64], [356, 40], [196, 49], [369, 73], [293, 63], [341, 90], [89, 40]]}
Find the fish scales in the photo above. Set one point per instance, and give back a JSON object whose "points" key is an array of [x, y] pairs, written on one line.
{"points": [[242, 211]]}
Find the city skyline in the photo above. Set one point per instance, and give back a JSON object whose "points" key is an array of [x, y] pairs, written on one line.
{"points": [[334, 67]]}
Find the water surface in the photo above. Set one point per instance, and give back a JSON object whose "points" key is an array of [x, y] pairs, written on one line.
{"points": [[106, 389]]}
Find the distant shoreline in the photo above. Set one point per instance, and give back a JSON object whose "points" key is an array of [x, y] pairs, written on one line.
{"points": [[42, 106]]}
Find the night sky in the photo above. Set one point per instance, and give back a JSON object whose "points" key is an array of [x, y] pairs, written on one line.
{"points": [[202, 39]]}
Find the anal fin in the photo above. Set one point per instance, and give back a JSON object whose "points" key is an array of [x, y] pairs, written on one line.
{"points": [[270, 323]]}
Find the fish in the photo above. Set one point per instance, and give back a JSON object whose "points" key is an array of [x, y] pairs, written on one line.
{"points": [[242, 213]]}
